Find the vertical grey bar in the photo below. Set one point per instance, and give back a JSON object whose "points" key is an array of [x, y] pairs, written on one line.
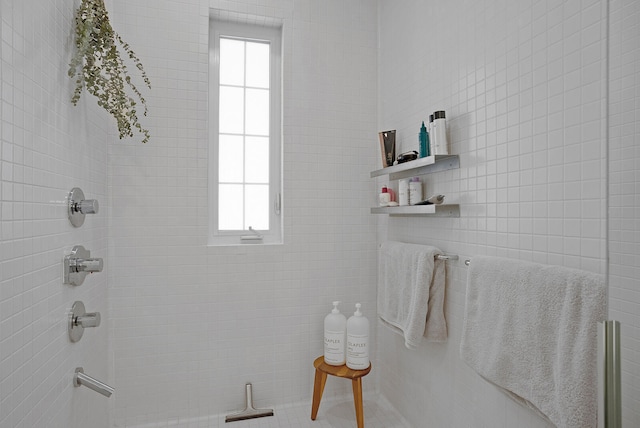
{"points": [[609, 406], [602, 362], [614, 413]]}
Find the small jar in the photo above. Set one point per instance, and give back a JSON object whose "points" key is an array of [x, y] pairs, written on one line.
{"points": [[384, 198]]}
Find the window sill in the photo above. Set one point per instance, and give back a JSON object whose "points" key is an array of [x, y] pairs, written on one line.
{"points": [[235, 242]]}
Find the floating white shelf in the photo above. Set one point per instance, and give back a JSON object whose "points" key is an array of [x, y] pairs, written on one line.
{"points": [[452, 210], [421, 166]]}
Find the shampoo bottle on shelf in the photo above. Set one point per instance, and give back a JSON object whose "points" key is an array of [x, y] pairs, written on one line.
{"points": [[432, 136], [392, 196], [403, 192], [423, 138], [358, 340], [440, 133], [415, 191], [335, 328]]}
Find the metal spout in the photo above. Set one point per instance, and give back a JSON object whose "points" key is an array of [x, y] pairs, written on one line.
{"points": [[82, 379]]}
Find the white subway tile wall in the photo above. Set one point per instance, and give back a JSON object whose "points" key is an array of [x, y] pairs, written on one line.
{"points": [[524, 88], [192, 324], [624, 195], [48, 146]]}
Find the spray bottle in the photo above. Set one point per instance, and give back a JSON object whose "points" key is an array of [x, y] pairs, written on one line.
{"points": [[424, 141]]}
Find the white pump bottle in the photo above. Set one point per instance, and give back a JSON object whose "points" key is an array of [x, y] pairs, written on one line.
{"points": [[358, 340], [335, 326]]}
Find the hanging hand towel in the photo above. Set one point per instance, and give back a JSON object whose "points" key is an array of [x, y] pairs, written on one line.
{"points": [[411, 289], [531, 329]]}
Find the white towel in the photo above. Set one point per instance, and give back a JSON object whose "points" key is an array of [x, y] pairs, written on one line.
{"points": [[411, 289], [531, 329]]}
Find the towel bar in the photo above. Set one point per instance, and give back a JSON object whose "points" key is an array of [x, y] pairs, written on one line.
{"points": [[446, 257]]}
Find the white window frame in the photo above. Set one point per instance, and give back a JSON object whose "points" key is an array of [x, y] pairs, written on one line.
{"points": [[248, 32]]}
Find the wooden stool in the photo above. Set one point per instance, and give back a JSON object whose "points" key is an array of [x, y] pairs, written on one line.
{"points": [[322, 370]]}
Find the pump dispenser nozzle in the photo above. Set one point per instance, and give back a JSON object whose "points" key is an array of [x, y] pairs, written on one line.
{"points": [[357, 312], [335, 307]]}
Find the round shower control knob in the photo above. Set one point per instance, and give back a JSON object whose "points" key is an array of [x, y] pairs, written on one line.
{"points": [[78, 206], [79, 319], [88, 206], [91, 319]]}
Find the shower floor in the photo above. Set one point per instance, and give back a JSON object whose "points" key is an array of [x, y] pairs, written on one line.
{"points": [[378, 413]]}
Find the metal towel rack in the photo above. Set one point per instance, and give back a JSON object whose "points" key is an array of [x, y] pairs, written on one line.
{"points": [[444, 257]]}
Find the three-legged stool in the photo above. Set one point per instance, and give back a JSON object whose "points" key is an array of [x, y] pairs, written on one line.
{"points": [[322, 370]]}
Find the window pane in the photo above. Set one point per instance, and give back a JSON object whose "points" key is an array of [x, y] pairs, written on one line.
{"points": [[257, 160], [257, 206], [231, 62], [257, 112], [230, 159], [231, 110], [230, 206], [258, 65]]}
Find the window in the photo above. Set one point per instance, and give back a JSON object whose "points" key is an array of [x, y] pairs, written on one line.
{"points": [[245, 136]]}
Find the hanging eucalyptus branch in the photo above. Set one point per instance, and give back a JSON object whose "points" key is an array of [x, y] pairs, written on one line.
{"points": [[97, 65]]}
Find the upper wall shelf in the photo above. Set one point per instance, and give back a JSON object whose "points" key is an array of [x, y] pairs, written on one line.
{"points": [[452, 210], [421, 166]]}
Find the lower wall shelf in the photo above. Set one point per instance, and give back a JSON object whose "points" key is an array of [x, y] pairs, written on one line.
{"points": [[452, 210]]}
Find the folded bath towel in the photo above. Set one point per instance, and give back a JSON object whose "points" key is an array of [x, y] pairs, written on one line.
{"points": [[411, 289], [531, 329]]}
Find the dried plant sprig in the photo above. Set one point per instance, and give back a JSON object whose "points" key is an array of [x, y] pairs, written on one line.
{"points": [[98, 67]]}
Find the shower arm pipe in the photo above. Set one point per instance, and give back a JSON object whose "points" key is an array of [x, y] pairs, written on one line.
{"points": [[79, 378]]}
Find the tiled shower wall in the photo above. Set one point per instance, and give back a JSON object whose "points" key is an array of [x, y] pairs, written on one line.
{"points": [[47, 147], [524, 87], [624, 195], [190, 323]]}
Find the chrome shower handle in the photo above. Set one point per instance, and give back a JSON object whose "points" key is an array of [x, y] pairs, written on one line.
{"points": [[86, 265], [89, 319], [79, 264], [78, 206], [79, 319], [87, 206]]}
